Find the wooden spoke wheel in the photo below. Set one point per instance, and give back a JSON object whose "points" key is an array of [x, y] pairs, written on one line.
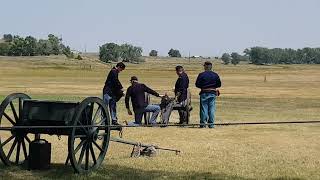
{"points": [[87, 146], [14, 143]]}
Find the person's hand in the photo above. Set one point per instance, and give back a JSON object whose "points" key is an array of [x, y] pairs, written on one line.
{"points": [[129, 112]]}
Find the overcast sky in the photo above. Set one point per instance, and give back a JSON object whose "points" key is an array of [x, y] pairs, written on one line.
{"points": [[201, 27]]}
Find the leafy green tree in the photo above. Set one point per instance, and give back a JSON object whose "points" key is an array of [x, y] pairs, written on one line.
{"points": [[30, 46], [137, 55], [7, 37], [153, 53], [257, 55], [174, 53], [235, 58], [55, 44], [4, 49], [130, 53], [225, 58], [44, 47], [67, 52], [246, 52], [17, 46], [109, 52], [125, 51]]}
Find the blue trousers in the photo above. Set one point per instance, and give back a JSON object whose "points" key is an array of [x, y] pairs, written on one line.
{"points": [[138, 114], [207, 109], [112, 104]]}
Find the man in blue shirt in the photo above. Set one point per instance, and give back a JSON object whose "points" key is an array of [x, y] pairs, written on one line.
{"points": [[181, 92], [137, 94], [112, 91], [208, 81]]}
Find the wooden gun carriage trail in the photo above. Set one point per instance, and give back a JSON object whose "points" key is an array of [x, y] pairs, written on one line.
{"points": [[86, 123]]}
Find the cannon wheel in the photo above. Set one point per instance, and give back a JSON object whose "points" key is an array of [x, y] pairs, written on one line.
{"points": [[87, 146], [14, 144], [147, 115]]}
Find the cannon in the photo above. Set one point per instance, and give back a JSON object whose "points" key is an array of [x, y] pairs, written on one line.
{"points": [[171, 106], [86, 124], [185, 107]]}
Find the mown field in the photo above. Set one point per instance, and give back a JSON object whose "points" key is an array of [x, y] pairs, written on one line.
{"points": [[290, 92]]}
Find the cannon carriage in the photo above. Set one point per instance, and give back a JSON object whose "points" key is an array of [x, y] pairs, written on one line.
{"points": [[173, 105], [86, 124]]}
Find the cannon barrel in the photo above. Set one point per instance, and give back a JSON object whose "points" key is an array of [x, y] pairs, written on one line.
{"points": [[119, 140]]}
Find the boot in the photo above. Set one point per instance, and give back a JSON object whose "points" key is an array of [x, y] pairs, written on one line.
{"points": [[115, 123]]}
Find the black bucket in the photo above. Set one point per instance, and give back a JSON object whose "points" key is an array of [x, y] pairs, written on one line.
{"points": [[39, 155]]}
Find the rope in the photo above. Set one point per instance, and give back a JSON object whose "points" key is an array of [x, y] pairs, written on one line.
{"points": [[116, 127]]}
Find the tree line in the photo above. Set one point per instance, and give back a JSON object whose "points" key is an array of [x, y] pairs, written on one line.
{"points": [[172, 53], [30, 46], [233, 58], [112, 52], [14, 45], [261, 55]]}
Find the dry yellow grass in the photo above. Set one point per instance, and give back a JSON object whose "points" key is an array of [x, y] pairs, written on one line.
{"points": [[291, 92]]}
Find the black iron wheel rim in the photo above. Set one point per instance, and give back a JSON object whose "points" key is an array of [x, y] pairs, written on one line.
{"points": [[15, 146], [87, 149]]}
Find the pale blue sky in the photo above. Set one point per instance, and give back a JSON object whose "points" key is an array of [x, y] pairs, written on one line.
{"points": [[203, 27]]}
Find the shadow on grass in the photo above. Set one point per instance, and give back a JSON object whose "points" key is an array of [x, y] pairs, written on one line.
{"points": [[60, 171]]}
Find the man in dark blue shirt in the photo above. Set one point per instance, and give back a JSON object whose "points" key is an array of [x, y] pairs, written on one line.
{"points": [[137, 94], [112, 91], [181, 92], [208, 81]]}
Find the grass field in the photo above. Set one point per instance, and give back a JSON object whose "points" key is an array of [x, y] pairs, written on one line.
{"points": [[290, 92]]}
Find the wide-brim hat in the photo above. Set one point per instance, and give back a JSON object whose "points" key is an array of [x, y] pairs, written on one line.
{"points": [[133, 78]]}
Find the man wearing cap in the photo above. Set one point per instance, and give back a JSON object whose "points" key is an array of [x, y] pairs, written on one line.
{"points": [[181, 92], [112, 91], [137, 93], [208, 81]]}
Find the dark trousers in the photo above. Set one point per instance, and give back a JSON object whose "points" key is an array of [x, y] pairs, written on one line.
{"points": [[182, 113], [182, 116]]}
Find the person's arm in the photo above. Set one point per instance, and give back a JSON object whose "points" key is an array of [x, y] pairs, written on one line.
{"points": [[150, 91], [218, 84], [199, 81], [128, 94]]}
